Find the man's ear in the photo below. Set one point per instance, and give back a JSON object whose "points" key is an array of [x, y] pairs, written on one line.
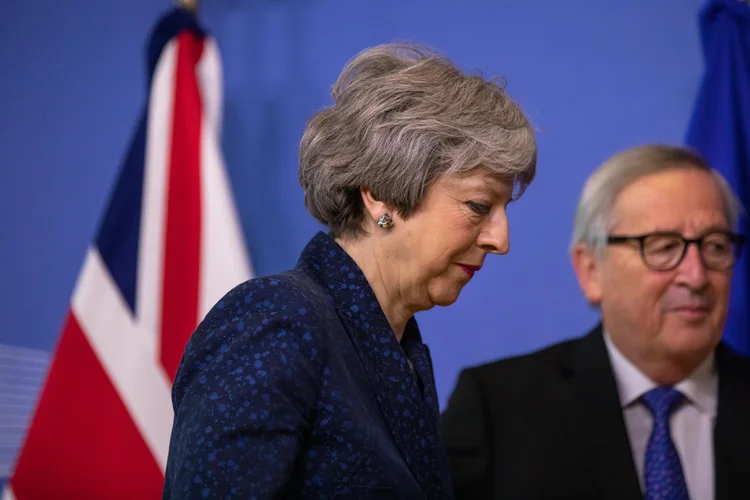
{"points": [[588, 269]]}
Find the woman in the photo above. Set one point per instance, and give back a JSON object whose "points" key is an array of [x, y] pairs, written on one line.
{"points": [[315, 383]]}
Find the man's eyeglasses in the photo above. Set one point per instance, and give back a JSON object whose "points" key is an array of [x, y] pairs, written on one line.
{"points": [[663, 251]]}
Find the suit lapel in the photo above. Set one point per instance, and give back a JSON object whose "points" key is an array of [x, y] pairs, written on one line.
{"points": [[732, 431], [592, 408], [411, 420], [420, 354]]}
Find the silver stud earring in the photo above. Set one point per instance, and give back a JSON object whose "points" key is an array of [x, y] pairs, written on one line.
{"points": [[385, 221]]}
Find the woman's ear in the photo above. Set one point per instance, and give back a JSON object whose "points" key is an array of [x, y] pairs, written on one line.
{"points": [[374, 207]]}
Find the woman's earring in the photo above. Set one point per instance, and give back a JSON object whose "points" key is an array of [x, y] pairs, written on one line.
{"points": [[385, 221]]}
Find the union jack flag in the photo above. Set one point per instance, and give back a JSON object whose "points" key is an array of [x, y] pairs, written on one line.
{"points": [[168, 247]]}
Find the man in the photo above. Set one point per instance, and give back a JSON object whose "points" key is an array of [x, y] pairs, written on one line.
{"points": [[650, 404]]}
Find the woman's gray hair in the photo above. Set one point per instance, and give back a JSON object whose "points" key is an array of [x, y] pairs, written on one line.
{"points": [[593, 218], [404, 116]]}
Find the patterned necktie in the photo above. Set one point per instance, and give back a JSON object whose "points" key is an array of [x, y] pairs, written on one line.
{"points": [[663, 471]]}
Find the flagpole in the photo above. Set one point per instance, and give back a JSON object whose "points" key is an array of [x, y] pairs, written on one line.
{"points": [[190, 6]]}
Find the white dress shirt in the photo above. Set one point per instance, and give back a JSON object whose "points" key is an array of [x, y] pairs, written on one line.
{"points": [[691, 425]]}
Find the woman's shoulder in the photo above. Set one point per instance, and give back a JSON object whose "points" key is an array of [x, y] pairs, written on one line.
{"points": [[289, 293], [290, 300], [281, 318], [256, 314]]}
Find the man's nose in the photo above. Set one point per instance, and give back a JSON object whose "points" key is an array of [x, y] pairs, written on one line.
{"points": [[691, 271]]}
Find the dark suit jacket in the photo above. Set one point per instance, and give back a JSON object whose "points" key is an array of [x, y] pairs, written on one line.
{"points": [[549, 425], [295, 386]]}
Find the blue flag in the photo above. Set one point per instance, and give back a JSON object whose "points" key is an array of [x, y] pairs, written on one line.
{"points": [[720, 130]]}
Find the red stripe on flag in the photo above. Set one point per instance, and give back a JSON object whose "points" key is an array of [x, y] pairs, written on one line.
{"points": [[82, 441], [183, 227]]}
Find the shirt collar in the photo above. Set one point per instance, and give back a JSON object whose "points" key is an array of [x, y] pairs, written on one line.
{"points": [[700, 387]]}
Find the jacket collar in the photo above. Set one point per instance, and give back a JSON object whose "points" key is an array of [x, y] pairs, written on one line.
{"points": [[411, 417], [595, 417]]}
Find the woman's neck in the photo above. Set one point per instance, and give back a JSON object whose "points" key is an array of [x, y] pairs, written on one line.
{"points": [[371, 263]]}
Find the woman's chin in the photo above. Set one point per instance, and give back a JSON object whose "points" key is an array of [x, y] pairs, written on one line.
{"points": [[445, 297]]}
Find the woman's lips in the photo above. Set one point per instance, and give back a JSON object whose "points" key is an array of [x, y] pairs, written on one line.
{"points": [[469, 269]]}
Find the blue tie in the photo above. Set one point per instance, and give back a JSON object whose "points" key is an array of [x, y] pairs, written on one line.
{"points": [[663, 471]]}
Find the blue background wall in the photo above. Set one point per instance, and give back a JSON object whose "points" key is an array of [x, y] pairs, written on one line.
{"points": [[594, 76]]}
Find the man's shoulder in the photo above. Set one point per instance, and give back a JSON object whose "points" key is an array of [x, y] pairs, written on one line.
{"points": [[532, 368], [731, 362], [518, 385]]}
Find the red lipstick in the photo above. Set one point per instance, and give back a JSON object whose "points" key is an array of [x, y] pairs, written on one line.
{"points": [[470, 270]]}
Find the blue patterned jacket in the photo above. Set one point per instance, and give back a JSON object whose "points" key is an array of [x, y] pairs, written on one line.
{"points": [[294, 386]]}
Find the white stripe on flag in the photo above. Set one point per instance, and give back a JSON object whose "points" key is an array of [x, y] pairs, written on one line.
{"points": [[224, 258], [125, 352], [153, 208], [8, 492]]}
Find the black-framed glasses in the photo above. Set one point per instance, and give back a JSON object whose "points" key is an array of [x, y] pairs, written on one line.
{"points": [[663, 251]]}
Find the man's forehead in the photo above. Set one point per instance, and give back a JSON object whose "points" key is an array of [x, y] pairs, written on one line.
{"points": [[684, 199]]}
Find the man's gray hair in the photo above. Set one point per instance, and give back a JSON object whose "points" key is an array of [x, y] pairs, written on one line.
{"points": [[403, 117], [593, 218]]}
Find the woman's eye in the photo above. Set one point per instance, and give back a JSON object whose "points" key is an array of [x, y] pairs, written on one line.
{"points": [[478, 208]]}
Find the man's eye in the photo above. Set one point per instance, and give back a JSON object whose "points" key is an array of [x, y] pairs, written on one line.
{"points": [[478, 208]]}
